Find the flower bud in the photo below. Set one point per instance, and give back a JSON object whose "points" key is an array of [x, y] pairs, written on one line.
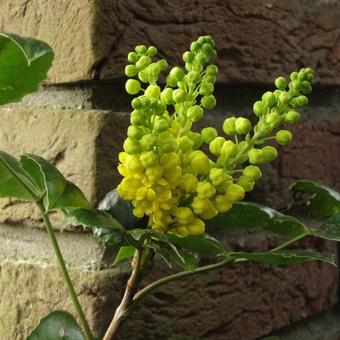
{"points": [[152, 51], [273, 119], [131, 146], [269, 153], [184, 215], [171, 81], [177, 73], [143, 62], [215, 146], [205, 189], [234, 192], [222, 204], [189, 183], [245, 183], [283, 137], [148, 142], [131, 70], [252, 173], [242, 126], [228, 150], [260, 108], [281, 83], [166, 96], [301, 101], [208, 102], [133, 57], [255, 156], [179, 96], [188, 57], [194, 113], [141, 49], [169, 160], [199, 204], [153, 91], [208, 134], [132, 86], [184, 143], [218, 176], [292, 116], [196, 138], [149, 159], [160, 125], [284, 98], [135, 132], [193, 77], [229, 126], [212, 70], [269, 99], [196, 227], [200, 162], [163, 64], [206, 89]]}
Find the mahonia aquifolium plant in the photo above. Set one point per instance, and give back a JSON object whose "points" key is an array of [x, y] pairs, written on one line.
{"points": [[167, 176]]}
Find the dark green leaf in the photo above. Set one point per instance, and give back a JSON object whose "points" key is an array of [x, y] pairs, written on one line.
{"points": [[288, 257], [203, 245], [330, 229], [124, 253], [172, 255], [252, 215], [46, 177], [121, 210], [14, 181], [24, 63], [92, 218], [108, 235], [58, 325], [324, 201]]}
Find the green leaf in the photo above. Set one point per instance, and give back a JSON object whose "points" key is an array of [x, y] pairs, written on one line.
{"points": [[24, 63], [46, 177], [14, 181], [203, 245], [172, 255], [121, 210], [324, 202], [108, 235], [72, 197], [288, 257], [58, 325], [124, 253], [252, 215], [330, 229]]}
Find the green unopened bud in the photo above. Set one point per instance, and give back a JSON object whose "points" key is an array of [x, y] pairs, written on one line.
{"points": [[193, 77], [269, 153], [137, 118], [212, 70], [132, 146], [206, 89], [141, 49], [153, 91], [208, 134], [171, 81], [245, 183], [179, 95], [200, 163], [301, 101], [202, 58], [293, 75], [242, 126], [234, 192], [188, 57], [167, 142], [292, 116], [260, 108], [255, 156], [177, 73], [131, 70], [228, 150], [166, 96], [252, 172], [196, 138], [152, 51], [135, 132], [148, 142], [284, 98], [229, 126], [208, 102], [283, 137], [153, 71], [143, 76], [143, 62], [163, 64], [215, 146], [296, 85], [160, 125], [132, 86], [194, 113], [133, 57], [159, 107], [184, 143], [273, 119], [269, 99], [149, 159], [281, 83]]}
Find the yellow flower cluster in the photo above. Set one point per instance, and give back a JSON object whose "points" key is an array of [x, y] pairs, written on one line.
{"points": [[166, 175]]}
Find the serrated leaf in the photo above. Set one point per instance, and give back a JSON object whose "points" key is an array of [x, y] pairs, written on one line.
{"points": [[58, 325], [46, 177], [330, 229], [252, 215], [324, 201], [288, 257], [203, 245], [14, 181], [121, 210], [24, 63], [124, 253]]}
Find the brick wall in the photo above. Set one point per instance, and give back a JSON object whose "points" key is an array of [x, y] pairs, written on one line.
{"points": [[79, 117]]}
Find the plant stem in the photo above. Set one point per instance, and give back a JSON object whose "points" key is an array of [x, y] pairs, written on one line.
{"points": [[67, 279], [289, 242], [124, 310], [151, 287]]}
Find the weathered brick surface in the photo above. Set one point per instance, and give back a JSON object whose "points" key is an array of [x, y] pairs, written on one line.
{"points": [[67, 138], [256, 40], [66, 25]]}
